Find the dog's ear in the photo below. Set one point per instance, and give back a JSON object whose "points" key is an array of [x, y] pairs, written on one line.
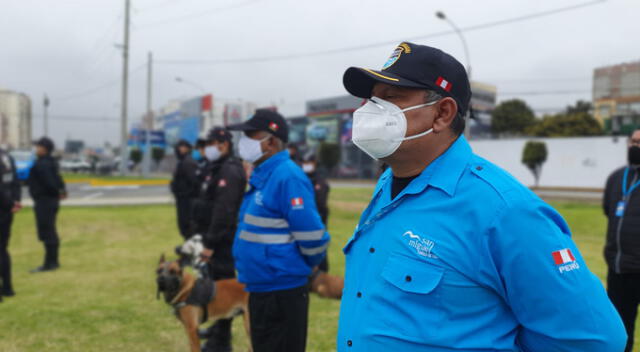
{"points": [[161, 259]]}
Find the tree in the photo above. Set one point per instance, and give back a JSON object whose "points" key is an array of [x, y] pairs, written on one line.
{"points": [[329, 155], [512, 117], [135, 155], [534, 155], [566, 125], [157, 154], [581, 106]]}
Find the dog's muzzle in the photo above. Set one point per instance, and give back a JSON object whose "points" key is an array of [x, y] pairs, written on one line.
{"points": [[168, 285]]}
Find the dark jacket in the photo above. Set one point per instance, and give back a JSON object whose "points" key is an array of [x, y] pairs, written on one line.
{"points": [[10, 191], [219, 200], [622, 249], [321, 189], [185, 183], [45, 180]]}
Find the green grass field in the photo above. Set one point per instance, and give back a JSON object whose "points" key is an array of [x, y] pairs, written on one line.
{"points": [[103, 298]]}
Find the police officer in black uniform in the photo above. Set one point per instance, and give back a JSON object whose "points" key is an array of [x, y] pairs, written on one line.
{"points": [[321, 189], [10, 194], [217, 206], [184, 186], [47, 189]]}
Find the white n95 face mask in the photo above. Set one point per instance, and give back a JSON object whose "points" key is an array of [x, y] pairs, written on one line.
{"points": [[212, 153], [249, 148], [379, 127]]}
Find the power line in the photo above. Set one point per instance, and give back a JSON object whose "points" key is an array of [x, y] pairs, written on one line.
{"points": [[377, 44], [196, 14], [98, 88]]}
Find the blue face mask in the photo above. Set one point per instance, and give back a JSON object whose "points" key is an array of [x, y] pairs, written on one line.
{"points": [[196, 155]]}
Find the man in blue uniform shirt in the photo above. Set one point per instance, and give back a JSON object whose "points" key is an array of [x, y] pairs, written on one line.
{"points": [[452, 253], [280, 237]]}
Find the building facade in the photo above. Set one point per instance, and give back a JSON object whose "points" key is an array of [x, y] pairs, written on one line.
{"points": [[616, 96], [15, 120]]}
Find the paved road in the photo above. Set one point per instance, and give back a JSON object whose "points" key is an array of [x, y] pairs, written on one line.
{"points": [[87, 195]]}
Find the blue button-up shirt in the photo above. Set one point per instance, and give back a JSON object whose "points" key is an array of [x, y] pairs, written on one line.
{"points": [[465, 258]]}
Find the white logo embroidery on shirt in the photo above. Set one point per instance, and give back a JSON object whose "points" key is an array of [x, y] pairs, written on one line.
{"points": [[423, 246], [258, 198]]}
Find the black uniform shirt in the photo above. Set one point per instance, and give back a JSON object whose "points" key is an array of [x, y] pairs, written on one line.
{"points": [[44, 179]]}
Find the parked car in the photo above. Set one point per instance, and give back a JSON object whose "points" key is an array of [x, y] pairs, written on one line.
{"points": [[75, 165], [24, 161]]}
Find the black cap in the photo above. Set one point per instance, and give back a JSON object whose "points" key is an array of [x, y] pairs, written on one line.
{"points": [[414, 66], [265, 120], [200, 143], [219, 134], [46, 143], [183, 143]]}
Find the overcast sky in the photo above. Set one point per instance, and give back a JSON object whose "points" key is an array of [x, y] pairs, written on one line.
{"points": [[66, 48]]}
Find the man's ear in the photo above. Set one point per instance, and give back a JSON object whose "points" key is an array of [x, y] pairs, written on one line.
{"points": [[447, 109]]}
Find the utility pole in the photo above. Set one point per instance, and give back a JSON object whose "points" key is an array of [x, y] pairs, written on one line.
{"points": [[148, 121], [124, 158], [46, 115]]}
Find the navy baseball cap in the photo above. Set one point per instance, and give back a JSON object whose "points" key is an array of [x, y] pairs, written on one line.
{"points": [[414, 66], [265, 120], [45, 142], [219, 134]]}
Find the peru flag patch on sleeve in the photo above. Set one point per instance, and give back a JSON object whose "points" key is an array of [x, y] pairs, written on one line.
{"points": [[563, 256], [297, 203], [565, 261]]}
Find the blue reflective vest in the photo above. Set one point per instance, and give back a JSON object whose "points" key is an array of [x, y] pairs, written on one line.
{"points": [[465, 258], [280, 236]]}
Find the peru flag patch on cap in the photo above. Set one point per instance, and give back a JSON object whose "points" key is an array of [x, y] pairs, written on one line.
{"points": [[563, 256], [443, 83], [273, 126]]}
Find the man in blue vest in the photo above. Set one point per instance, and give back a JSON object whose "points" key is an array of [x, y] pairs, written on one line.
{"points": [[453, 253], [280, 236]]}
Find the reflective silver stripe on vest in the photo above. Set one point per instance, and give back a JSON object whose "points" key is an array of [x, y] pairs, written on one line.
{"points": [[314, 250], [271, 223], [308, 235], [265, 238]]}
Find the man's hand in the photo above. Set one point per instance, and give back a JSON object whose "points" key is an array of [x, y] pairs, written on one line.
{"points": [[206, 254], [16, 207]]}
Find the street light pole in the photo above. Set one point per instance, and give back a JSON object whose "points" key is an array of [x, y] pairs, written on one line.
{"points": [[442, 16], [46, 115], [146, 162], [193, 84], [125, 86]]}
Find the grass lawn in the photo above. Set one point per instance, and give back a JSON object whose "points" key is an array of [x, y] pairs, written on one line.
{"points": [[103, 298]]}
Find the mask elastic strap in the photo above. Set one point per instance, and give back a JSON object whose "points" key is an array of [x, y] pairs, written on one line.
{"points": [[420, 106], [416, 135]]}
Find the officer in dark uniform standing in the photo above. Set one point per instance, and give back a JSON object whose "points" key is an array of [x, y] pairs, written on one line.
{"points": [[321, 190], [218, 202], [10, 195], [184, 186], [47, 189]]}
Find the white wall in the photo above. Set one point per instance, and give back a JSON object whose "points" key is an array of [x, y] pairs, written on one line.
{"points": [[571, 162]]}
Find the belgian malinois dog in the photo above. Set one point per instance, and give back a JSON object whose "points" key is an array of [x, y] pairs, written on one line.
{"points": [[176, 285]]}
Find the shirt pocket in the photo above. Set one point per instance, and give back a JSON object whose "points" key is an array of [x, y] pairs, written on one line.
{"points": [[411, 302]]}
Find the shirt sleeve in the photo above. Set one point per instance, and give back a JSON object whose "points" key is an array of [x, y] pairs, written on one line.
{"points": [[559, 303], [306, 227], [227, 198], [16, 189]]}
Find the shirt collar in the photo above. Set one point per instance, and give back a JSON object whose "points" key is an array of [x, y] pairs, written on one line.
{"points": [[261, 173], [443, 173]]}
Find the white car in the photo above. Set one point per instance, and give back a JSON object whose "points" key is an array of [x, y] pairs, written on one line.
{"points": [[75, 165]]}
